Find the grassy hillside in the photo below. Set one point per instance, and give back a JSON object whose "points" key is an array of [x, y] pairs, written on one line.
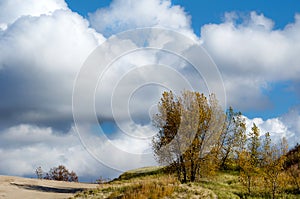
{"points": [[154, 182]]}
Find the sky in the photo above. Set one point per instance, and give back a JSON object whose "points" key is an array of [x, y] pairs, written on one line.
{"points": [[78, 85]]}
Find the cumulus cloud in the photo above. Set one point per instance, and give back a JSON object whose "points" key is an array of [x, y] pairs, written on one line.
{"points": [[123, 15], [251, 54], [39, 59], [287, 125], [40, 55], [10, 11], [25, 147], [43, 45], [41, 51]]}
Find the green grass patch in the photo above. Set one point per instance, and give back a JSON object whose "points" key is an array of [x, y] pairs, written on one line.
{"points": [[142, 172]]}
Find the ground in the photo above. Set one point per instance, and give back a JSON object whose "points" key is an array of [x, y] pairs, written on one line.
{"points": [[144, 183], [25, 188]]}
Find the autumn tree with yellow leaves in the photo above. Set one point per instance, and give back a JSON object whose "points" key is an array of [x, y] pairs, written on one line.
{"points": [[196, 138], [262, 164], [249, 160], [273, 159], [190, 126]]}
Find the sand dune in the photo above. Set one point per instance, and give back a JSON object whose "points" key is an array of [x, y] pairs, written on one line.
{"points": [[24, 188]]}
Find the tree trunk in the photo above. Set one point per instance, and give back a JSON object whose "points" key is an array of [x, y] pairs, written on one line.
{"points": [[249, 185], [192, 170], [183, 169], [224, 160], [178, 170], [273, 189]]}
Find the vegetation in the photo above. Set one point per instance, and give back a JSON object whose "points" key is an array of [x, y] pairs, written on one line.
{"points": [[272, 168], [292, 166], [188, 132], [61, 173], [39, 173], [206, 153], [154, 183], [249, 160], [150, 182], [232, 140]]}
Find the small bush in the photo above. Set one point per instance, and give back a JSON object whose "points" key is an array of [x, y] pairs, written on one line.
{"points": [[39, 173], [61, 173]]}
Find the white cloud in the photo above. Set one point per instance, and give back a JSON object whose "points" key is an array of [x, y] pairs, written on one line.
{"points": [[123, 15], [287, 125], [25, 147], [130, 84], [43, 45], [260, 21], [40, 57], [252, 54], [59, 42], [11, 10], [41, 52], [137, 138]]}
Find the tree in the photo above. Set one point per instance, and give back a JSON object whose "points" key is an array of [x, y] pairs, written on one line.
{"points": [[61, 173], [233, 138], [292, 165], [249, 160], [254, 144], [248, 171], [274, 157], [73, 177], [168, 121], [189, 127], [102, 180], [39, 172]]}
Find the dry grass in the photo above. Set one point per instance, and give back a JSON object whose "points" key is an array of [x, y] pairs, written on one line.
{"points": [[155, 186], [147, 188], [153, 183]]}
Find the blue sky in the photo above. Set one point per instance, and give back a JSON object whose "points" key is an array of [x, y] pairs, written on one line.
{"points": [[204, 12], [44, 46]]}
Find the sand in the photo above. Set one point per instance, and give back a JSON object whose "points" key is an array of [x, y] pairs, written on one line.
{"points": [[25, 188]]}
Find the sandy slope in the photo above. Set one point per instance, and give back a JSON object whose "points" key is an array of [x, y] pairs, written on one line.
{"points": [[25, 188]]}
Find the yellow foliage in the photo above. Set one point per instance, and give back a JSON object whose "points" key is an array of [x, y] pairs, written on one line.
{"points": [[189, 128]]}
